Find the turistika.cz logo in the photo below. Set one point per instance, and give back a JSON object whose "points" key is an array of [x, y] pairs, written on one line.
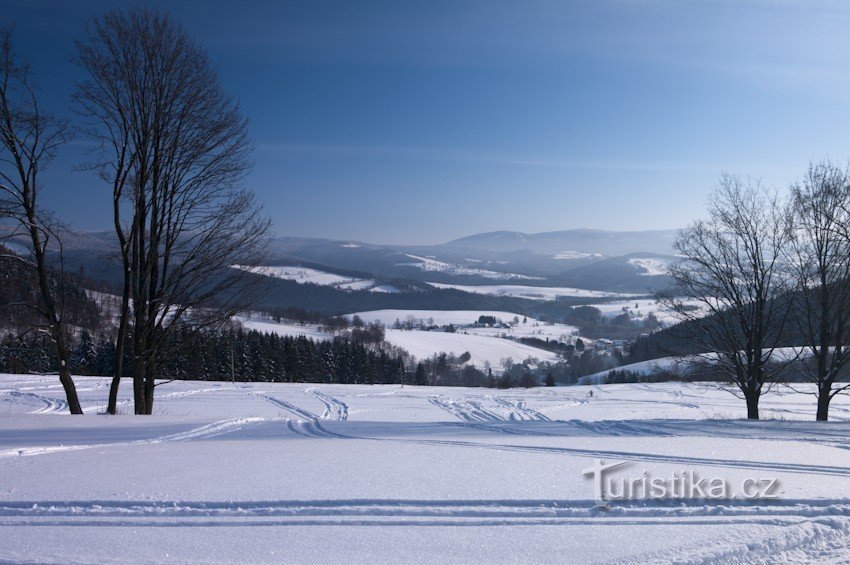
{"points": [[679, 485]]}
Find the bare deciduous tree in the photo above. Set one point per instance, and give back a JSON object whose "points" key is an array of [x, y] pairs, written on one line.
{"points": [[29, 139], [820, 256], [731, 265], [175, 150]]}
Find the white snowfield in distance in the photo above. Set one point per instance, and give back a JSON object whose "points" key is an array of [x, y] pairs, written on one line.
{"points": [[570, 255], [639, 308], [486, 350], [651, 266], [271, 472], [532, 292], [682, 366], [283, 328], [524, 327], [436, 317], [321, 278], [430, 264]]}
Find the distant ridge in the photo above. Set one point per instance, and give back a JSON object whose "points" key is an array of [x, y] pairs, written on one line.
{"points": [[582, 240]]}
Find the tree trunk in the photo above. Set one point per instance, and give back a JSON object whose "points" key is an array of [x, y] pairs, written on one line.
{"points": [[112, 406], [70, 390], [823, 404], [65, 373], [752, 399], [120, 345], [149, 385], [138, 386]]}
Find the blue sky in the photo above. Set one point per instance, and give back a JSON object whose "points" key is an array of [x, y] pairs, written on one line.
{"points": [[418, 122]]}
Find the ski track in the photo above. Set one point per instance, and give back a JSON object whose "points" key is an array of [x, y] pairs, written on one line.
{"points": [[789, 531], [299, 412], [335, 409], [205, 431], [308, 424], [796, 468], [519, 411], [51, 405], [793, 530], [312, 429], [823, 539], [101, 408], [465, 409]]}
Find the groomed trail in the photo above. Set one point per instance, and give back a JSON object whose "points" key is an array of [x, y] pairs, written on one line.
{"points": [[264, 472]]}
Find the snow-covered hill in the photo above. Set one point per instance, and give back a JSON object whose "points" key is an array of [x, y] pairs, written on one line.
{"points": [[485, 345], [532, 292], [314, 276]]}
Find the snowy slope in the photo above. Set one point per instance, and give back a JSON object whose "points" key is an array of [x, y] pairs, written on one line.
{"points": [[485, 350], [640, 308], [531, 327], [651, 266], [314, 276], [486, 347], [430, 264], [531, 292], [284, 329], [436, 317], [683, 365], [263, 472]]}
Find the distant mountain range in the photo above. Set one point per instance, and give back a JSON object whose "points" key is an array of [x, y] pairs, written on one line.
{"points": [[611, 243], [610, 261], [627, 261]]}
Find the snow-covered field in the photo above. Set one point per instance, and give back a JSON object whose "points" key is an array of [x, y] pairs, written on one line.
{"points": [[430, 264], [285, 328], [532, 292], [651, 266], [314, 276], [524, 327], [238, 472], [682, 366], [639, 308], [486, 345], [486, 351]]}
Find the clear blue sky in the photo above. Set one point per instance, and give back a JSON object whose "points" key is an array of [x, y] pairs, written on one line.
{"points": [[418, 122]]}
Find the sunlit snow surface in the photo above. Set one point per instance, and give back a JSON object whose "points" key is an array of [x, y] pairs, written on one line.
{"points": [[487, 346], [253, 472]]}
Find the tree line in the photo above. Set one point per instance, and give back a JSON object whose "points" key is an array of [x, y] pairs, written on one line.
{"points": [[222, 355]]}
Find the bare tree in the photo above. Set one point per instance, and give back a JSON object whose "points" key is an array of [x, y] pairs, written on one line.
{"points": [[175, 150], [731, 265], [29, 139], [820, 256]]}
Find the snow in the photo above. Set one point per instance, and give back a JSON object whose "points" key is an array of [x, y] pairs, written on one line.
{"points": [[314, 276], [302, 275], [638, 309], [485, 345], [485, 350], [650, 266], [310, 331], [532, 292], [263, 472], [681, 366], [571, 255], [384, 288], [429, 264], [436, 317], [531, 328], [356, 285]]}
